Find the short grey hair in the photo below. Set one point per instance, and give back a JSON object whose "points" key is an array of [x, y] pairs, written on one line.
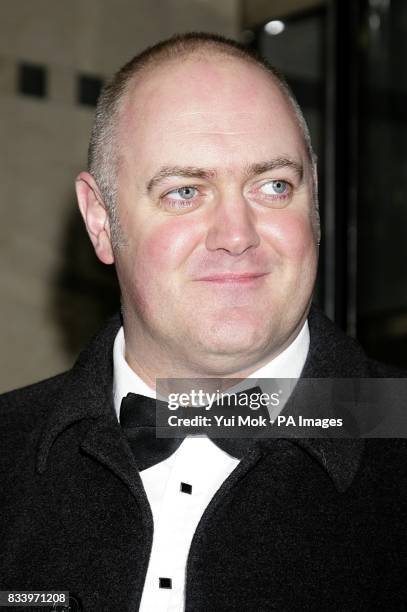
{"points": [[103, 148]]}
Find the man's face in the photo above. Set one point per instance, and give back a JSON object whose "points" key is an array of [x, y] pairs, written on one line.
{"points": [[214, 202]]}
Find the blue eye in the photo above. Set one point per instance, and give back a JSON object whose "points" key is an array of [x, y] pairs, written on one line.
{"points": [[184, 193], [276, 188]]}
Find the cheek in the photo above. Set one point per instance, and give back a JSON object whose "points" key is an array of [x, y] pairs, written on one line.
{"points": [[164, 249], [292, 236]]}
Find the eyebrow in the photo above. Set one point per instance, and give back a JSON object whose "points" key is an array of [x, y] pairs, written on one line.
{"points": [[204, 173], [276, 164], [184, 171]]}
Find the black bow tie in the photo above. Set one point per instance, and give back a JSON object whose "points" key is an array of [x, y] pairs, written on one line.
{"points": [[137, 418]]}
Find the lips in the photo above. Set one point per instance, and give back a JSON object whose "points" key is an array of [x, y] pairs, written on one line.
{"points": [[244, 277]]}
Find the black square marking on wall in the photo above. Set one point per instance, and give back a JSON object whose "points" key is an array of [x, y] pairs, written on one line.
{"points": [[165, 583], [32, 80], [89, 88]]}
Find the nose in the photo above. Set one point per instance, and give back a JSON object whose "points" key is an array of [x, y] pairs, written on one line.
{"points": [[232, 227]]}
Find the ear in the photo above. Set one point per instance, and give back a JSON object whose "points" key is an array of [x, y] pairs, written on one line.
{"points": [[316, 221], [95, 215]]}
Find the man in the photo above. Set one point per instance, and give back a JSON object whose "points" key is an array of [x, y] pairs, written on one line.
{"points": [[202, 191]]}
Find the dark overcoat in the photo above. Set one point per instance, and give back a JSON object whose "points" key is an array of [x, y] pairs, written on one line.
{"points": [[316, 525]]}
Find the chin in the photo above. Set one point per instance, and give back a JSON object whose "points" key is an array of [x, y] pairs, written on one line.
{"points": [[233, 338]]}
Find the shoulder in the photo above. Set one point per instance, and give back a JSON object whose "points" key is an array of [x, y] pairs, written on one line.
{"points": [[378, 369], [23, 417], [333, 354], [27, 414], [92, 369], [23, 406]]}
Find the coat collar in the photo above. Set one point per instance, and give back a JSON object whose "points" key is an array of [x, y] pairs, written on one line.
{"points": [[87, 393], [332, 354]]}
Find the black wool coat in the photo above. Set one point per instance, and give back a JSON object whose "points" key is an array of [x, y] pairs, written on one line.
{"points": [[316, 525]]}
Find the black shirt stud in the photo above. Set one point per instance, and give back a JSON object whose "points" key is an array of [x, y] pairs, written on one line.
{"points": [[186, 488]]}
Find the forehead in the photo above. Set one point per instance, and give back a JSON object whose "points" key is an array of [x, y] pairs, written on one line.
{"points": [[208, 105]]}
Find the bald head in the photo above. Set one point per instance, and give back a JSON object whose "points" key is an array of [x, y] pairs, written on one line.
{"points": [[104, 149]]}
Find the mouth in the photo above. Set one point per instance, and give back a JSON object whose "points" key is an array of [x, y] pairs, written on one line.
{"points": [[245, 278]]}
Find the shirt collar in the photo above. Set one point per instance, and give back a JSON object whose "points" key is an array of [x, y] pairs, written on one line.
{"points": [[288, 364]]}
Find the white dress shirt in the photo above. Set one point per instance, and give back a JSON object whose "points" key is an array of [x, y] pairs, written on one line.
{"points": [[180, 488]]}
